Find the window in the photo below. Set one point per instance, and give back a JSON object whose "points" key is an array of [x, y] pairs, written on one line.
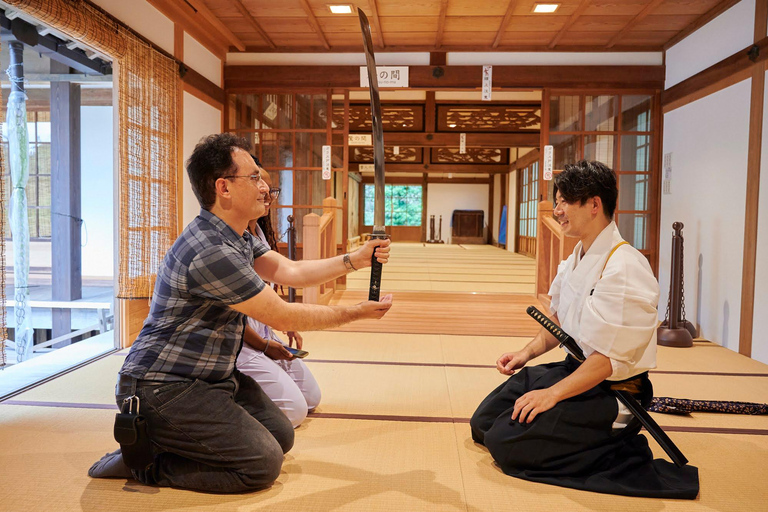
{"points": [[402, 205], [615, 129], [39, 183]]}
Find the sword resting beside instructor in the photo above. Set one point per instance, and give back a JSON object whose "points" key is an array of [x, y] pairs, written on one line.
{"points": [[560, 423]]}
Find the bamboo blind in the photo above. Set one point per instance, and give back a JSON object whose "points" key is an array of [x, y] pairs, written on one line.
{"points": [[148, 87], [3, 210]]}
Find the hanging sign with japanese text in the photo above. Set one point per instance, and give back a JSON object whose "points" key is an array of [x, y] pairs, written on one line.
{"points": [[326, 162], [548, 154], [389, 76]]}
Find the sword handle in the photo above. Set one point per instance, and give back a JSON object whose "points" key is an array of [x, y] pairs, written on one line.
{"points": [[374, 288]]}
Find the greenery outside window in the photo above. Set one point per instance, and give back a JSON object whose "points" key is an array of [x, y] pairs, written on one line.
{"points": [[402, 205], [39, 183]]}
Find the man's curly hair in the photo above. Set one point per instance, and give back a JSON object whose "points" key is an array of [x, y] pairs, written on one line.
{"points": [[211, 160], [584, 180]]}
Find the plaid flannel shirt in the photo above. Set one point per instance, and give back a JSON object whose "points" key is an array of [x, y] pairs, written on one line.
{"points": [[191, 332]]}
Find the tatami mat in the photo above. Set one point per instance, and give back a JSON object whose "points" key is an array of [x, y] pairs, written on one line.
{"points": [[391, 432]]}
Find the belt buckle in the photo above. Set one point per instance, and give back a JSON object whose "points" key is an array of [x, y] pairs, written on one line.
{"points": [[129, 403]]}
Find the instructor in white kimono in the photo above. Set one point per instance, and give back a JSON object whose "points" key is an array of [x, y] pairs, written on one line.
{"points": [[559, 423]]}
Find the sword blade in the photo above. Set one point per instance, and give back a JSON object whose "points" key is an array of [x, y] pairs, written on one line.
{"points": [[379, 231]]}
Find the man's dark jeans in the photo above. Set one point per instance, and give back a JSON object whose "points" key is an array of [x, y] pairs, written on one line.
{"points": [[221, 437]]}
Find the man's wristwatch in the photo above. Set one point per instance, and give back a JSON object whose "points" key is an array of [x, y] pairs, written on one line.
{"points": [[348, 262]]}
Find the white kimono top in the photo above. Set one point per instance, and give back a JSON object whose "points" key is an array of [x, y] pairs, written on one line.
{"points": [[619, 318]]}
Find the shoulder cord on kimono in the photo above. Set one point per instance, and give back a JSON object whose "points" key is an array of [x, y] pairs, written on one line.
{"points": [[623, 242]]}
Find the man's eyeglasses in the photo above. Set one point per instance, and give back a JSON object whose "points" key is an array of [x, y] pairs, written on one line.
{"points": [[255, 177], [274, 192]]}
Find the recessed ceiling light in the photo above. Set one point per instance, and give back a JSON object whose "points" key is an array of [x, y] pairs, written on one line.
{"points": [[545, 8], [340, 9]]}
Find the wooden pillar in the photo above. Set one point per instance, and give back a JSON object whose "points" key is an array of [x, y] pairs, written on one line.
{"points": [[66, 260], [756, 110]]}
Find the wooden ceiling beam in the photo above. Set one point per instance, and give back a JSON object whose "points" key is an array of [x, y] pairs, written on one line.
{"points": [[252, 22], [206, 13], [713, 13], [634, 21], [441, 24], [312, 19], [377, 22], [249, 78], [451, 140], [504, 23], [430, 47], [725, 73], [568, 24], [197, 26], [438, 168]]}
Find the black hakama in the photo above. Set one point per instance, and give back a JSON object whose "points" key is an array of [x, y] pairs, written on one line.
{"points": [[573, 444]]}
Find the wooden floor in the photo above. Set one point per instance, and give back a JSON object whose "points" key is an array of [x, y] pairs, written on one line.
{"points": [[391, 432]]}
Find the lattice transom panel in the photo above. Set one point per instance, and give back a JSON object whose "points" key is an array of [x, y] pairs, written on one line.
{"points": [[488, 118], [394, 118], [472, 156]]}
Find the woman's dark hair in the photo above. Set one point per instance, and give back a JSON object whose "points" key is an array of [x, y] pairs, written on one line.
{"points": [[584, 180], [211, 160], [265, 223]]}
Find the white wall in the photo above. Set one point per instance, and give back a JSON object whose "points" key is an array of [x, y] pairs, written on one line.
{"points": [[443, 198], [708, 140], [759, 340], [197, 57], [143, 18], [725, 35], [200, 120]]}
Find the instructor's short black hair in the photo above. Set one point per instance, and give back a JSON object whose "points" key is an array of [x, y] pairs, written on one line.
{"points": [[584, 180], [211, 160]]}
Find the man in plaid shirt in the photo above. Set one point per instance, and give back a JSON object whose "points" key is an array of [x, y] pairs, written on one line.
{"points": [[212, 428]]}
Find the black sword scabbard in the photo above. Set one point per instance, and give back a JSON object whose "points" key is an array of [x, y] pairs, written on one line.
{"points": [[625, 398]]}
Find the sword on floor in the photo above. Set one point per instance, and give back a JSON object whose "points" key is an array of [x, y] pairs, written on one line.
{"points": [[379, 231]]}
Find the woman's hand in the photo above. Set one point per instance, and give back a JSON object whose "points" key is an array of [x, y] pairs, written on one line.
{"points": [[295, 336], [277, 351]]}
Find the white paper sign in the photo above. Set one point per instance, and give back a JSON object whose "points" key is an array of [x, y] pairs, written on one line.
{"points": [[389, 76], [487, 82], [396, 150], [360, 139], [666, 184], [462, 143], [271, 112], [548, 156], [326, 162], [367, 168]]}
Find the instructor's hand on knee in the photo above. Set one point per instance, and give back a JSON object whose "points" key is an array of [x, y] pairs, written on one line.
{"points": [[376, 310], [533, 403]]}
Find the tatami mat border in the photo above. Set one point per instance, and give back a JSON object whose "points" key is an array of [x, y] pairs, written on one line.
{"points": [[461, 365], [486, 366], [385, 417]]}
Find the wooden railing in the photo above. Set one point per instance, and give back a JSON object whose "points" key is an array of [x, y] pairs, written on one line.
{"points": [[552, 247], [319, 239]]}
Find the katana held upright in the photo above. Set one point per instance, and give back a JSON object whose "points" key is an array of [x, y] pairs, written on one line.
{"points": [[379, 230]]}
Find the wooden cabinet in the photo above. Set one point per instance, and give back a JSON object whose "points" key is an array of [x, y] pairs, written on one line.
{"points": [[468, 227]]}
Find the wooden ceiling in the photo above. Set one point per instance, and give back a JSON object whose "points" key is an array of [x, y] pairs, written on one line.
{"points": [[447, 25]]}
